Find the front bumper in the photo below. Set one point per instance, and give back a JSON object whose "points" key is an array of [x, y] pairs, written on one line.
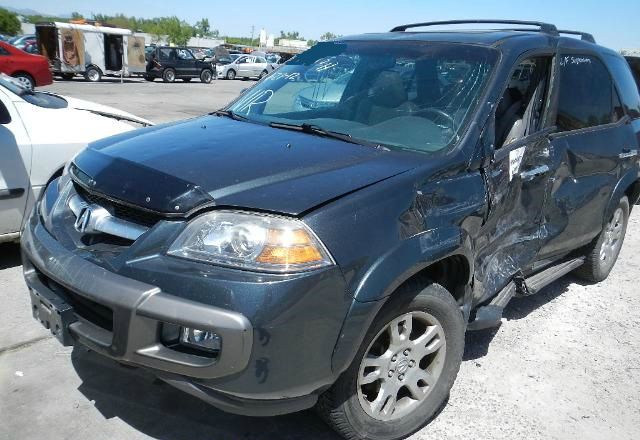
{"points": [[278, 331], [138, 310]]}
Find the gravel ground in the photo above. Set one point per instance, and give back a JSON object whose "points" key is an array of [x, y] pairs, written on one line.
{"points": [[565, 364]]}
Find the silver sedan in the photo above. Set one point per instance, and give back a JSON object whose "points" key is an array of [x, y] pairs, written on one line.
{"points": [[245, 66]]}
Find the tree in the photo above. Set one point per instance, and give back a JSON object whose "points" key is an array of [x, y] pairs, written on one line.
{"points": [[76, 16], [202, 28], [295, 35], [328, 36], [9, 23], [178, 32]]}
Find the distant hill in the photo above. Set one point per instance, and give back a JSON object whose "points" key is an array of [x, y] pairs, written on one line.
{"points": [[27, 11]]}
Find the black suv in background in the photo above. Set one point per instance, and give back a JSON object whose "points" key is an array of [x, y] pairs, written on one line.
{"points": [[271, 257], [171, 63]]}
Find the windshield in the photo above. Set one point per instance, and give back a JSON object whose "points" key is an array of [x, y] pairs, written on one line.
{"points": [[40, 99], [417, 95]]}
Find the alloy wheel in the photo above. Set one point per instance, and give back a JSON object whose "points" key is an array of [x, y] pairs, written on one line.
{"points": [[401, 366], [613, 232]]}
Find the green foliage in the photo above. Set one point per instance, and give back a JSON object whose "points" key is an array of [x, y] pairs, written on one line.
{"points": [[9, 23], [328, 36], [311, 43], [295, 35]]}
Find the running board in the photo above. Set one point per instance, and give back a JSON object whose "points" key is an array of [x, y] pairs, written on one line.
{"points": [[491, 315]]}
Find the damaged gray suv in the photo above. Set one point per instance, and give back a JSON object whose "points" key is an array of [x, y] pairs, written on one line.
{"points": [[326, 239]]}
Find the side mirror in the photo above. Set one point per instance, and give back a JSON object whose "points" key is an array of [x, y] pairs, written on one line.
{"points": [[5, 116]]}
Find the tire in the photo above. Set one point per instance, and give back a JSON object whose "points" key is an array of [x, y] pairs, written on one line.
{"points": [[231, 74], [169, 75], [25, 80], [92, 74], [67, 76], [349, 406], [206, 76], [603, 252], [263, 74], [186, 80]]}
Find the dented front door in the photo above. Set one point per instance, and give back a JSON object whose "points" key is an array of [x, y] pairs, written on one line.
{"points": [[517, 181]]}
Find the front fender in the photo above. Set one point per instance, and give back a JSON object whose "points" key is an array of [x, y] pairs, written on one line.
{"points": [[390, 271]]}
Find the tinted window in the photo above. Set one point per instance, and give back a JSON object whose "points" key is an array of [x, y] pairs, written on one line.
{"points": [[625, 84], [586, 93], [3, 51], [184, 54], [634, 63]]}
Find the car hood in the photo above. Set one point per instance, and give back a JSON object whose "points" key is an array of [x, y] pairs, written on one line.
{"points": [[104, 110], [178, 168]]}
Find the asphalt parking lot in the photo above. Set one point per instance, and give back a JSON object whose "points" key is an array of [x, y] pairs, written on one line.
{"points": [[565, 364]]}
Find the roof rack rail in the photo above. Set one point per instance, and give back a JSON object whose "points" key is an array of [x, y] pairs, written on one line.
{"points": [[584, 36], [544, 27]]}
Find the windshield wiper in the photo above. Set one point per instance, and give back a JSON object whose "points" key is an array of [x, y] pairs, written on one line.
{"points": [[229, 114], [319, 131]]}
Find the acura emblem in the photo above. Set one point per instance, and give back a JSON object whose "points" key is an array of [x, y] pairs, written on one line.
{"points": [[82, 221]]}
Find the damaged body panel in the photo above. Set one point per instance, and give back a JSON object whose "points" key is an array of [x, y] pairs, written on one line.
{"points": [[339, 241]]}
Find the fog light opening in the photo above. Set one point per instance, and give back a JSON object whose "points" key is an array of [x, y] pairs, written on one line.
{"points": [[206, 340]]}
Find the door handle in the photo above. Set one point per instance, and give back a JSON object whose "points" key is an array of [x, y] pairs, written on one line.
{"points": [[534, 172], [627, 153]]}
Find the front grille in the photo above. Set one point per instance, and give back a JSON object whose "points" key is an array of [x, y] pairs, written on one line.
{"points": [[85, 308], [120, 210]]}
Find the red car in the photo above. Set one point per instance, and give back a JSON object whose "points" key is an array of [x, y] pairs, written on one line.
{"points": [[30, 70]]}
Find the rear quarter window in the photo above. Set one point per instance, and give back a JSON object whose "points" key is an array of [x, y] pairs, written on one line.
{"points": [[625, 83]]}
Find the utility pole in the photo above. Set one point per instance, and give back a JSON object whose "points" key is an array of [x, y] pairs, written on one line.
{"points": [[253, 29]]}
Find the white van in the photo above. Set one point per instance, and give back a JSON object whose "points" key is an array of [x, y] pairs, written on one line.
{"points": [[92, 51]]}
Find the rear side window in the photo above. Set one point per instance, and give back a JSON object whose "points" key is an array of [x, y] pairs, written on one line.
{"points": [[587, 96], [625, 84]]}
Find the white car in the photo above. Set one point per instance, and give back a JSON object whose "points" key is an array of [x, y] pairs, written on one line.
{"points": [[39, 133], [246, 66]]}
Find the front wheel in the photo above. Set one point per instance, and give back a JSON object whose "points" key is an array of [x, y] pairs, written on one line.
{"points": [[231, 74], [603, 253], [206, 76], [402, 373]]}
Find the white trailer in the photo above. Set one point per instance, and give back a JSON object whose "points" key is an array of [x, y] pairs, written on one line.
{"points": [[91, 51]]}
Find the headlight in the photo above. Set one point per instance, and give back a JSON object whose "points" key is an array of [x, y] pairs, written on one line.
{"points": [[251, 241]]}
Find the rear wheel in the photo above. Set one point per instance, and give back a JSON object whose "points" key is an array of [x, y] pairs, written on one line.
{"points": [[603, 253], [402, 373], [92, 74], [206, 76], [231, 74], [25, 80], [169, 75]]}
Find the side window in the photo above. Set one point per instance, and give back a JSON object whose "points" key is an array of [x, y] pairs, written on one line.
{"points": [[261, 60], [164, 53], [520, 110], [184, 54], [3, 51], [625, 83], [587, 97]]}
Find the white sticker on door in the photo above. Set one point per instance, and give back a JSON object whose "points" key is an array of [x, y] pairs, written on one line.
{"points": [[515, 159]]}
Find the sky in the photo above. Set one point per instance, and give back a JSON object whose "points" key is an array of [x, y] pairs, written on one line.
{"points": [[615, 24]]}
